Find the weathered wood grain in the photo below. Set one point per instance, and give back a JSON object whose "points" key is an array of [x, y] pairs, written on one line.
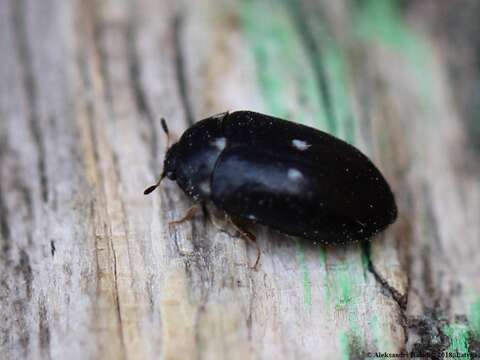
{"points": [[89, 267]]}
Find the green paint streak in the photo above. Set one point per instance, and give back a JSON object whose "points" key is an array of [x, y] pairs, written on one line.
{"points": [[383, 22], [344, 343], [335, 65], [307, 284], [383, 343], [474, 318], [342, 289], [343, 297], [356, 338], [329, 63], [378, 333], [287, 69], [458, 335], [286, 81], [322, 254], [309, 38]]}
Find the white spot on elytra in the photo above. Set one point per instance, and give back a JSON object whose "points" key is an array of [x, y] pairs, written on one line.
{"points": [[220, 115], [252, 217], [300, 144], [294, 174], [205, 187], [220, 143]]}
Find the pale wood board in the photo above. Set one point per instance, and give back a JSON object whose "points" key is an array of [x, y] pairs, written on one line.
{"points": [[89, 267]]}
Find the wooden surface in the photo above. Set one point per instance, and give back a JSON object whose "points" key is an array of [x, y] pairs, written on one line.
{"points": [[89, 268]]}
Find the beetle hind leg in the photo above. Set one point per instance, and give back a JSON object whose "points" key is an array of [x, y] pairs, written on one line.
{"points": [[250, 237]]}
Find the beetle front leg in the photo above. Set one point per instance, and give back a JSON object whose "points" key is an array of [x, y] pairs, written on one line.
{"points": [[188, 215]]}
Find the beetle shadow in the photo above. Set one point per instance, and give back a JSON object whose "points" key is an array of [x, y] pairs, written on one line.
{"points": [[305, 253], [279, 247]]}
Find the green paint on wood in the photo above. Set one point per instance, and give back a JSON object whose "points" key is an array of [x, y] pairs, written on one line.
{"points": [[286, 81], [349, 344], [356, 338], [340, 298], [328, 60], [342, 288], [344, 345], [307, 285], [288, 66], [458, 336], [383, 22], [322, 255], [344, 280], [474, 318], [337, 74], [382, 342], [309, 38]]}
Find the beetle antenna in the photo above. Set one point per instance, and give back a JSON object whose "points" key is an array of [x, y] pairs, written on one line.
{"points": [[148, 190], [154, 186], [163, 122]]}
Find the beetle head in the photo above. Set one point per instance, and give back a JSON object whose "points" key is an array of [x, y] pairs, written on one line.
{"points": [[170, 162]]}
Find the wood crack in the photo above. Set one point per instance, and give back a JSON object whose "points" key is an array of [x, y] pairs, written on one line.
{"points": [[4, 225], [25, 269], [139, 95], [117, 299], [396, 295], [44, 336], [180, 68], [315, 57], [25, 60]]}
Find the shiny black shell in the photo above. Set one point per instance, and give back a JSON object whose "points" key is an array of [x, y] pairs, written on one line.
{"points": [[290, 177]]}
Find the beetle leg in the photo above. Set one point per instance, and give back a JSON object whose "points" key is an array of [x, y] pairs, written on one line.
{"points": [[250, 237], [188, 215], [216, 223]]}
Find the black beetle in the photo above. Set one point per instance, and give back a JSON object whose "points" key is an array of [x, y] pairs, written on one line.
{"points": [[290, 177]]}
